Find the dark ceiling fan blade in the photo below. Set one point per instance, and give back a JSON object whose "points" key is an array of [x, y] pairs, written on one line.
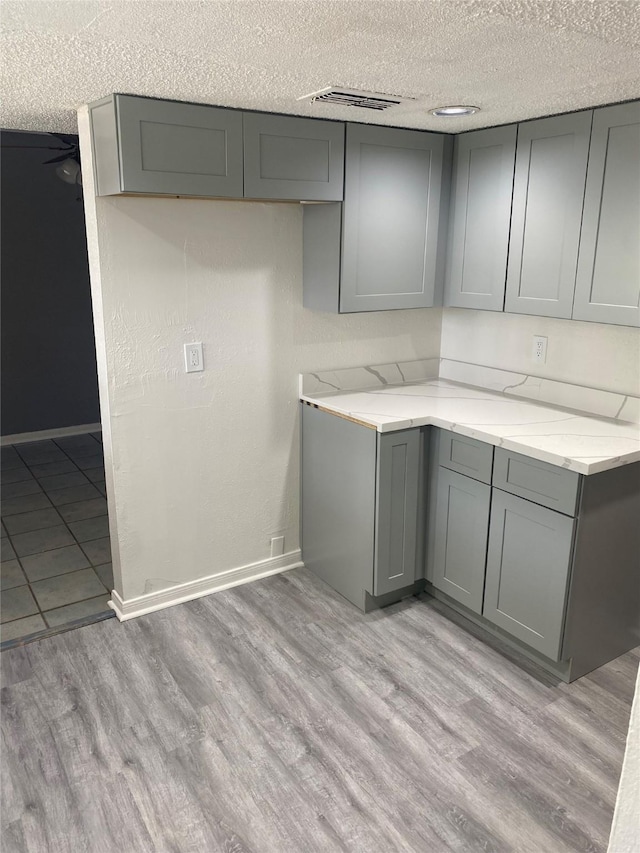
{"points": [[67, 138], [69, 155]]}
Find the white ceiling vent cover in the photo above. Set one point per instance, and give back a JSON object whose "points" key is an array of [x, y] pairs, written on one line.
{"points": [[355, 98]]}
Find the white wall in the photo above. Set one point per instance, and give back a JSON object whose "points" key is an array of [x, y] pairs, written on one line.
{"points": [[591, 354], [625, 830], [204, 467]]}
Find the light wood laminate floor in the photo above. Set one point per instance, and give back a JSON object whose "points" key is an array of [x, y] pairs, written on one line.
{"points": [[276, 718]]}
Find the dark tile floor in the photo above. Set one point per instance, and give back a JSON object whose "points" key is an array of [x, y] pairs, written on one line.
{"points": [[56, 560]]}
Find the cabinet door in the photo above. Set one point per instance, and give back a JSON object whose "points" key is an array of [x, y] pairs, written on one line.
{"points": [[397, 484], [286, 157], [528, 567], [481, 212], [608, 283], [460, 537], [390, 222], [551, 168], [173, 148]]}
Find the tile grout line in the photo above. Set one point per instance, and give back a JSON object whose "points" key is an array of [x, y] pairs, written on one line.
{"points": [[91, 566]]}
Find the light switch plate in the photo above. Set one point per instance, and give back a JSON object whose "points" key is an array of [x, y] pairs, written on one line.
{"points": [[193, 361]]}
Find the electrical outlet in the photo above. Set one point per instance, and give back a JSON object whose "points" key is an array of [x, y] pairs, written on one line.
{"points": [[539, 352], [193, 361], [277, 546]]}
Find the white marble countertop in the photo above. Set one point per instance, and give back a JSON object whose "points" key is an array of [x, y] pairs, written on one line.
{"points": [[566, 438]]}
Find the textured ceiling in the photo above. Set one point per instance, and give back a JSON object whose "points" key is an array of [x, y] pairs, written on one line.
{"points": [[514, 58]]}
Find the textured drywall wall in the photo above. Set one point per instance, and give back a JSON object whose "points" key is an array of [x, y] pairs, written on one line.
{"points": [[625, 830], [591, 354], [49, 375], [514, 58], [204, 467]]}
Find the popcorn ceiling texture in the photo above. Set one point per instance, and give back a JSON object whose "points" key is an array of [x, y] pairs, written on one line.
{"points": [[517, 59]]}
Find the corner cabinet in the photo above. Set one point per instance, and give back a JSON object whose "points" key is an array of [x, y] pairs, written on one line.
{"points": [[483, 164], [608, 280], [384, 247], [360, 507], [548, 193]]}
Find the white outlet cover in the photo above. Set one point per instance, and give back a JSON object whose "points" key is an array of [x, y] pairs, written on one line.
{"points": [[193, 360]]}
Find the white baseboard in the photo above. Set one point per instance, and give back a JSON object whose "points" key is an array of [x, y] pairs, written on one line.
{"points": [[190, 590], [43, 434]]}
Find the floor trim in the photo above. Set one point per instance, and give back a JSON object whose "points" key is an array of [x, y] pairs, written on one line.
{"points": [[191, 590], [43, 434]]}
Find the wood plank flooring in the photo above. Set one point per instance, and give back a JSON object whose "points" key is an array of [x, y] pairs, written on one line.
{"points": [[276, 718]]}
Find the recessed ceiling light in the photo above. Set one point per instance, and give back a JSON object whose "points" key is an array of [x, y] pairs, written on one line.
{"points": [[455, 111]]}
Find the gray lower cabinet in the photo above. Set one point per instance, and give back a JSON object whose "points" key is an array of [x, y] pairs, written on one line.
{"points": [[148, 146], [360, 505], [460, 537], [528, 569], [548, 193], [608, 281], [384, 248], [483, 165], [286, 157]]}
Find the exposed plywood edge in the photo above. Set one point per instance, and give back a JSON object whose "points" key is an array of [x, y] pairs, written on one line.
{"points": [[180, 593], [339, 415]]}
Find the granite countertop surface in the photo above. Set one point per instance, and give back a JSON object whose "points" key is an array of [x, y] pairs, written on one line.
{"points": [[572, 440]]}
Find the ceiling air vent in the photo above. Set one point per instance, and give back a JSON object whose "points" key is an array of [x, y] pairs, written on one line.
{"points": [[355, 98]]}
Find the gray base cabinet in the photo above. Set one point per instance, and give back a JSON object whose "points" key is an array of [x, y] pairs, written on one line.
{"points": [[551, 168], [608, 281], [528, 565], [286, 157], [460, 537], [483, 166], [543, 556], [384, 248], [360, 503]]}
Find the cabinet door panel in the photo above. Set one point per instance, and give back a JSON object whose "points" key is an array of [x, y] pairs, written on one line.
{"points": [[286, 157], [397, 486], [179, 149], [461, 530], [608, 283], [391, 211], [551, 168], [528, 567], [481, 212]]}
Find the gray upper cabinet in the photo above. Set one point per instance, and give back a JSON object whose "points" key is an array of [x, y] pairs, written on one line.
{"points": [[391, 220], [384, 247], [480, 216], [608, 282], [397, 485], [460, 537], [142, 145], [286, 157], [551, 168], [528, 567]]}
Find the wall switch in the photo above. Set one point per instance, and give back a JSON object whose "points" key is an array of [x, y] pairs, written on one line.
{"points": [[277, 546], [539, 352], [193, 361]]}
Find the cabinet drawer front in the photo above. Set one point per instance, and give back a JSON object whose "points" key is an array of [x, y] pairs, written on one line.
{"points": [[461, 530], [536, 481], [179, 149], [397, 494], [293, 158], [528, 568], [465, 455]]}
